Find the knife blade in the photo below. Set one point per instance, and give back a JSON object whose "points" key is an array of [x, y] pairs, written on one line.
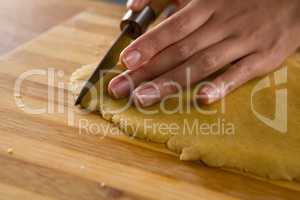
{"points": [[110, 59]]}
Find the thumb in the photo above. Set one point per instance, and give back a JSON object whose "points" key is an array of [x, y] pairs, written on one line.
{"points": [[137, 5]]}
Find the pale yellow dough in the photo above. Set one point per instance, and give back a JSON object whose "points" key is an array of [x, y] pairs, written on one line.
{"points": [[251, 146]]}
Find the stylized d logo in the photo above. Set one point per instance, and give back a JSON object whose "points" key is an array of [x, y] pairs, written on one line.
{"points": [[279, 123]]}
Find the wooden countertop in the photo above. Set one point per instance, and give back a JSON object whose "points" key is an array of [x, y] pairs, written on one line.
{"points": [[21, 21], [50, 156]]}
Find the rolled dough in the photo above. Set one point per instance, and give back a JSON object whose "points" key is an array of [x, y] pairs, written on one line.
{"points": [[258, 132]]}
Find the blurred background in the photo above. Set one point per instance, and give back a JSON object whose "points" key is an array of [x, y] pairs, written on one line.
{"points": [[119, 1], [21, 21]]}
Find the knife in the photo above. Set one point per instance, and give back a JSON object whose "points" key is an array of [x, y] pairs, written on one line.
{"points": [[132, 25]]}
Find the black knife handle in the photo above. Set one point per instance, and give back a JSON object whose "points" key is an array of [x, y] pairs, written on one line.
{"points": [[140, 21]]}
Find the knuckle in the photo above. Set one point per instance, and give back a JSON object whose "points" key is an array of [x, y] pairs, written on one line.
{"points": [[208, 61], [182, 50], [244, 35], [252, 35], [150, 45], [178, 25], [272, 46], [248, 71]]}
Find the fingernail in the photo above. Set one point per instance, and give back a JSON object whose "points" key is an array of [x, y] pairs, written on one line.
{"points": [[130, 3], [207, 95], [147, 96], [119, 88], [132, 58]]}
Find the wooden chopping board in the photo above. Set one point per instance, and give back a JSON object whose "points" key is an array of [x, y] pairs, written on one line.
{"points": [[47, 156]]}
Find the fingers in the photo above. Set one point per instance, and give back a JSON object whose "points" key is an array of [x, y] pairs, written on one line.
{"points": [[235, 76], [198, 67], [173, 29], [169, 58], [137, 5]]}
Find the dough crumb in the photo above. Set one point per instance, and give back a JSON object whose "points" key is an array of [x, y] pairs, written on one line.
{"points": [[102, 184], [10, 150], [96, 53], [82, 167]]}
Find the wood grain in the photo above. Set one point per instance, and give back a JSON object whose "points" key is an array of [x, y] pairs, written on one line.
{"points": [[55, 158], [21, 21]]}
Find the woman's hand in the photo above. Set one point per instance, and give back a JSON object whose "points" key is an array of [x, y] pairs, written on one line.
{"points": [[203, 36]]}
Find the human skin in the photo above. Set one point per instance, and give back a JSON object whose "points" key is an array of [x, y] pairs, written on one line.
{"points": [[203, 36]]}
